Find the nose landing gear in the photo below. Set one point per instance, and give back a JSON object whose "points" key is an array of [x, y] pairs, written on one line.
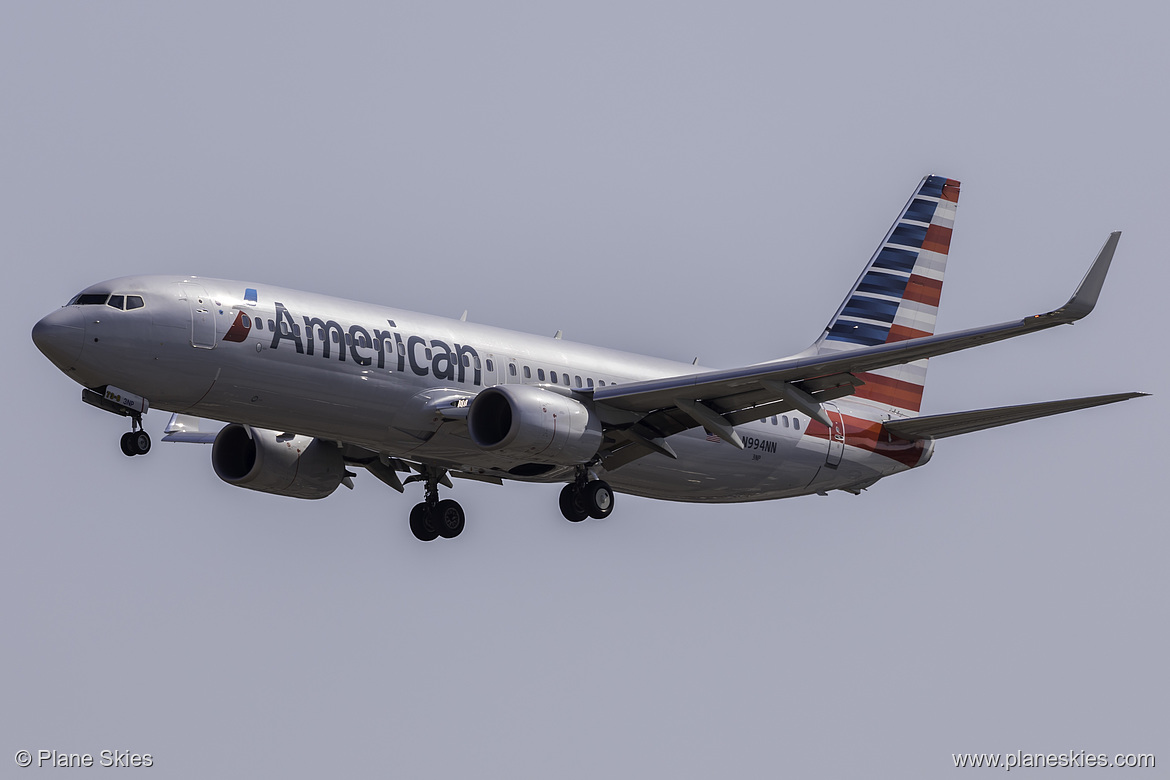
{"points": [[112, 399], [135, 442]]}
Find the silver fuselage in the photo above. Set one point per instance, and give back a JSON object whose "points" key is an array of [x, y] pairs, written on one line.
{"points": [[179, 351]]}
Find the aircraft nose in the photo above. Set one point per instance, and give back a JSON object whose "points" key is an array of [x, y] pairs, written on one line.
{"points": [[60, 336]]}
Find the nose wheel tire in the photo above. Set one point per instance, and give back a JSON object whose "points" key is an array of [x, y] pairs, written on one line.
{"points": [[135, 443]]}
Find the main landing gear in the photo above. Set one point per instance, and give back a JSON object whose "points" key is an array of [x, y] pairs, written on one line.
{"points": [[585, 498], [434, 518]]}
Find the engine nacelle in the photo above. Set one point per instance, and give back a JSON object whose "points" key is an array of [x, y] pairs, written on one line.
{"points": [[272, 462], [533, 425]]}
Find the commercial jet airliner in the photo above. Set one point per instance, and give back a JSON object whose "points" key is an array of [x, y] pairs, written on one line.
{"points": [[312, 386]]}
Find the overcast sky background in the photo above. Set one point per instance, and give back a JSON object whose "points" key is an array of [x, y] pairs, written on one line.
{"points": [[677, 179]]}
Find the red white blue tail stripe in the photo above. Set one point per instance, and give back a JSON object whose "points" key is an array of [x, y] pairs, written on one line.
{"points": [[897, 295]]}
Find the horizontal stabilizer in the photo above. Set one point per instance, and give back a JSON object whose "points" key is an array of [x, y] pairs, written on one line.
{"points": [[940, 426]]}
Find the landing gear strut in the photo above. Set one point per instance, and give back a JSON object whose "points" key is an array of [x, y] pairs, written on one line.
{"points": [[434, 518], [586, 498]]}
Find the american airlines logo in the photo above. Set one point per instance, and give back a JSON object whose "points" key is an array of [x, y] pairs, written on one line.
{"points": [[368, 347]]}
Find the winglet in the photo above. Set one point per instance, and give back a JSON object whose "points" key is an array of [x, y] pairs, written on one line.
{"points": [[1085, 298]]}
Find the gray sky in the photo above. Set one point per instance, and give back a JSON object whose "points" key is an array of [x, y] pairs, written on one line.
{"points": [[677, 179]]}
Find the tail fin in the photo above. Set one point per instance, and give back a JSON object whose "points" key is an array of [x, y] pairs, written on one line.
{"points": [[897, 295]]}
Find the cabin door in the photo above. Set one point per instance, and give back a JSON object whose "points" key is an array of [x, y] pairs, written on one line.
{"points": [[202, 315], [836, 436]]}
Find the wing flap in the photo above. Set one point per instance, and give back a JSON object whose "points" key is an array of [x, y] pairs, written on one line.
{"points": [[940, 426]]}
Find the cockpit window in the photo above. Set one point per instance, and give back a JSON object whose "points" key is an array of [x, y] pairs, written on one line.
{"points": [[116, 301], [134, 302], [89, 299]]}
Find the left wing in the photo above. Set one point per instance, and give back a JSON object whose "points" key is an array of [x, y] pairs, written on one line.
{"points": [[186, 428]]}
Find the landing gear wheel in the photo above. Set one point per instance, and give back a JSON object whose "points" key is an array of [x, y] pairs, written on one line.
{"points": [[572, 504], [420, 523], [447, 518], [141, 442], [128, 444], [598, 499]]}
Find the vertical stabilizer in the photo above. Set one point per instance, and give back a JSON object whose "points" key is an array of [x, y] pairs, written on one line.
{"points": [[897, 295]]}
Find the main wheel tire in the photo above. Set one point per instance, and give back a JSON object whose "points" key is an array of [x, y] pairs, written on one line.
{"points": [[572, 505], [141, 442], [420, 523], [127, 444], [598, 499], [448, 518]]}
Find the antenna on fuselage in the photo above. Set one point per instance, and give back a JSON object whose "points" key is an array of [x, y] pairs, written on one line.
{"points": [[557, 335], [463, 318]]}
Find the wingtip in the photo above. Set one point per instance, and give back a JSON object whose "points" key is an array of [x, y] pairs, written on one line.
{"points": [[1084, 300]]}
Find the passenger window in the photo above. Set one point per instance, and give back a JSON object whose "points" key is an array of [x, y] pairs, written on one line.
{"points": [[297, 330], [589, 381], [785, 419], [566, 378], [467, 361], [490, 367], [796, 423], [552, 376], [577, 379], [601, 383], [402, 351], [116, 302], [336, 338], [259, 324], [527, 372], [774, 419], [134, 302], [540, 374], [476, 362], [348, 340], [512, 369], [272, 326]]}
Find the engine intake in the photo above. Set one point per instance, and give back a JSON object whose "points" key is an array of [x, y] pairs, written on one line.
{"points": [[533, 425], [272, 462]]}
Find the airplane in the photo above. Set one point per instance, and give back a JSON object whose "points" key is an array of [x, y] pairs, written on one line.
{"points": [[312, 386]]}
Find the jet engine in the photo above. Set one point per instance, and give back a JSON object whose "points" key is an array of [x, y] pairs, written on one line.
{"points": [[282, 463], [533, 425]]}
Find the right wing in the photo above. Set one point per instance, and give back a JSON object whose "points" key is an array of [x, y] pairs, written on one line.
{"points": [[645, 413]]}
